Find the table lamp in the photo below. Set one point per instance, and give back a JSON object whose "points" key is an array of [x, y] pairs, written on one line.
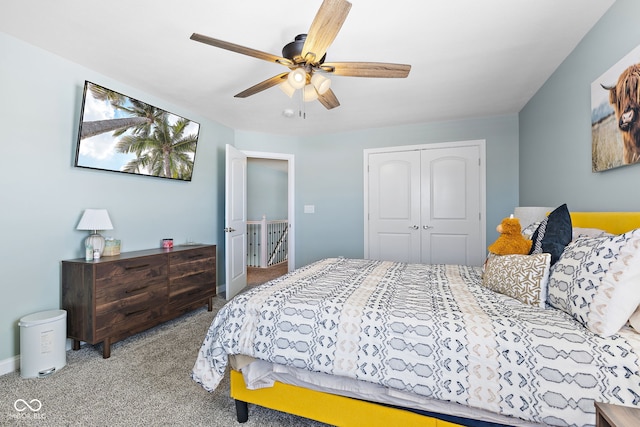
{"points": [[95, 220]]}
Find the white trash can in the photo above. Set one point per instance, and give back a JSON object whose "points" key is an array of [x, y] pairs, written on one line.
{"points": [[43, 339]]}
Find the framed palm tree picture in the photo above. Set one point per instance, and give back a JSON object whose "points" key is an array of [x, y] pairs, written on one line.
{"points": [[119, 133]]}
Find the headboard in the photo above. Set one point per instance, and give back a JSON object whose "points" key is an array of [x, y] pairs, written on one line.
{"points": [[613, 222]]}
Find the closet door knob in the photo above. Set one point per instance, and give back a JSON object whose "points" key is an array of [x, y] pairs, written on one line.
{"points": [[427, 227], [414, 227]]}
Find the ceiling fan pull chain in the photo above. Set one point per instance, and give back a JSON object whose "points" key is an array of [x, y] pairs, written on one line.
{"points": [[302, 110]]}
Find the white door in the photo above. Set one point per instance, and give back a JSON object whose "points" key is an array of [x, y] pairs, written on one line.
{"points": [[450, 206], [394, 206], [425, 205], [235, 220]]}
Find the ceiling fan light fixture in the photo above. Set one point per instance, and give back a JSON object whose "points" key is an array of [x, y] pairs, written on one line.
{"points": [[321, 83], [286, 87], [309, 94], [301, 58], [297, 78]]}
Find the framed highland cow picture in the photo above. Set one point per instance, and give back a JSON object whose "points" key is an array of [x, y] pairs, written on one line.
{"points": [[615, 115]]}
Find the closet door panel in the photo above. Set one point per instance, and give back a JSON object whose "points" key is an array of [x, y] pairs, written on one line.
{"points": [[394, 206], [450, 206]]}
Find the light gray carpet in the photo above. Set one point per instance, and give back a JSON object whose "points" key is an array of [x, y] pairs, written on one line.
{"points": [[146, 381]]}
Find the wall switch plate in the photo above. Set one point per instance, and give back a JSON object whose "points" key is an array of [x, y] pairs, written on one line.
{"points": [[309, 209]]}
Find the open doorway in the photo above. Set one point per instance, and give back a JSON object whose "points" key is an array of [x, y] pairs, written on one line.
{"points": [[270, 213]]}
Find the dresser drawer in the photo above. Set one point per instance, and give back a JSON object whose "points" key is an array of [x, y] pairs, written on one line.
{"points": [[115, 317], [126, 278], [131, 270], [195, 255], [130, 292], [195, 286], [192, 276]]}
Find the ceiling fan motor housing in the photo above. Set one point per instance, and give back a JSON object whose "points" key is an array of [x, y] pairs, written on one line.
{"points": [[294, 49]]}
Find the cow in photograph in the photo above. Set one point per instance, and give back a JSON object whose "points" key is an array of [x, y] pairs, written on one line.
{"points": [[625, 99]]}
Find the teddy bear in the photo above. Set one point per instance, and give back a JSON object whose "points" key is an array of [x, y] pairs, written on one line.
{"points": [[511, 240]]}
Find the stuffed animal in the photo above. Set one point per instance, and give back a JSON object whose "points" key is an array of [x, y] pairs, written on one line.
{"points": [[511, 240]]}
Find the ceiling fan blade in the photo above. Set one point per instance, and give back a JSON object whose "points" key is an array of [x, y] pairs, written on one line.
{"points": [[325, 27], [241, 49], [329, 100], [273, 81], [367, 69]]}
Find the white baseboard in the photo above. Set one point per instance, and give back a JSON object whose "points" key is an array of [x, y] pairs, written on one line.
{"points": [[9, 365]]}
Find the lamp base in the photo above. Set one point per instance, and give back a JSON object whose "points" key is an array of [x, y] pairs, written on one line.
{"points": [[96, 241]]}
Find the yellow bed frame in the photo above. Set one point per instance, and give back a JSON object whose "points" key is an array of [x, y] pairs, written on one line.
{"points": [[344, 411]]}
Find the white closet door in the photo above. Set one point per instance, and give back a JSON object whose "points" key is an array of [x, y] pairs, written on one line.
{"points": [[394, 206], [425, 205], [450, 206]]}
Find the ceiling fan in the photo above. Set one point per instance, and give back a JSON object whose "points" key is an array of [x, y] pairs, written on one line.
{"points": [[305, 59]]}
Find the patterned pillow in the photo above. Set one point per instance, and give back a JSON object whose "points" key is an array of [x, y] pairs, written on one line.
{"points": [[530, 229], [589, 232], [523, 277], [597, 281], [553, 234]]}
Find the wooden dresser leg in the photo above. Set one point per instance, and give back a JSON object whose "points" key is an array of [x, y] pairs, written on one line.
{"points": [[210, 304], [242, 411], [106, 348], [76, 345]]}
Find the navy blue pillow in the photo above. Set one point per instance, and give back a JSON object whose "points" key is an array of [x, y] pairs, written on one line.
{"points": [[554, 233]]}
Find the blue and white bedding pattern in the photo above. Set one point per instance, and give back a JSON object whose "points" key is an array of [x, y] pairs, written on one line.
{"points": [[433, 330]]}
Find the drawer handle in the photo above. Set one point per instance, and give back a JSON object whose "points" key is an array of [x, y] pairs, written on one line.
{"points": [[195, 256], [128, 291], [131, 313], [136, 267]]}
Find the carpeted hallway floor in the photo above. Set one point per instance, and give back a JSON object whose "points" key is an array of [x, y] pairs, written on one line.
{"points": [[257, 275]]}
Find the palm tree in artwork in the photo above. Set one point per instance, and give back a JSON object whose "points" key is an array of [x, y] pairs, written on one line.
{"points": [[165, 151], [141, 116]]}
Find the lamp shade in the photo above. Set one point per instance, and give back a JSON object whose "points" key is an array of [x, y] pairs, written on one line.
{"points": [[310, 93], [95, 219], [286, 87], [321, 83], [297, 78]]}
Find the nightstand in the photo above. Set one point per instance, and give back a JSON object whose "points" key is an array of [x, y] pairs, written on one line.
{"points": [[608, 415]]}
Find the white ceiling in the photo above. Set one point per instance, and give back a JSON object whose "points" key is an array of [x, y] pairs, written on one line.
{"points": [[469, 58]]}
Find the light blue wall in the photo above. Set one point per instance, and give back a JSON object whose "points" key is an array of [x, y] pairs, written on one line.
{"points": [[43, 195], [329, 175], [46, 196], [267, 186], [555, 126]]}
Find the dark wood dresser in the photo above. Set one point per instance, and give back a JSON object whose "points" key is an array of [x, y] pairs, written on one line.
{"points": [[115, 297]]}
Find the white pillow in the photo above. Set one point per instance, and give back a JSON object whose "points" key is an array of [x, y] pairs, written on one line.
{"points": [[530, 229], [634, 320], [597, 281], [589, 232]]}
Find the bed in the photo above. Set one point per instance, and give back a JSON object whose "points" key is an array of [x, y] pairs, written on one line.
{"points": [[364, 342]]}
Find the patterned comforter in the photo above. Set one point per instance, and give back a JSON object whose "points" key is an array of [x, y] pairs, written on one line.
{"points": [[433, 330]]}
